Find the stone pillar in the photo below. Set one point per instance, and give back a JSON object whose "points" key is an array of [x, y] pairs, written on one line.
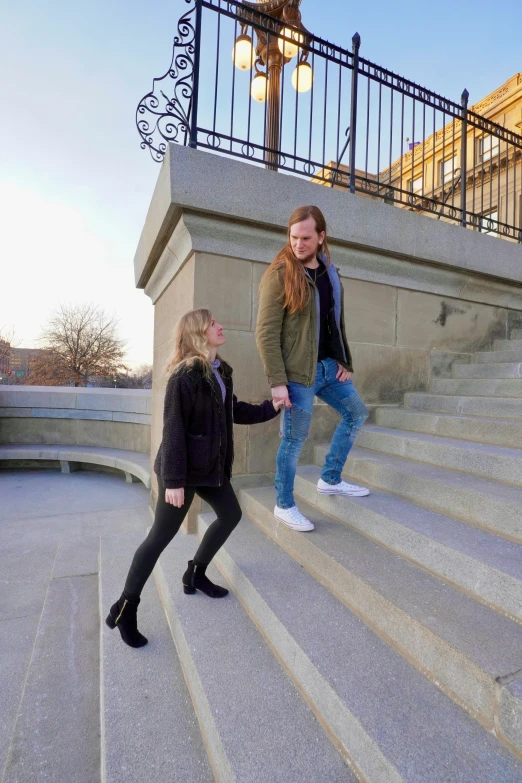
{"points": [[419, 294]]}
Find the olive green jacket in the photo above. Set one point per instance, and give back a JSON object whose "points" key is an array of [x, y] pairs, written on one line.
{"points": [[288, 343]]}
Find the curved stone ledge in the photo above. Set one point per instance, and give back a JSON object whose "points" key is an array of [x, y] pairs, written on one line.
{"points": [[106, 418], [67, 413]]}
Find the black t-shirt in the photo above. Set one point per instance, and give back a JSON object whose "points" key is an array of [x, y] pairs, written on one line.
{"points": [[320, 277]]}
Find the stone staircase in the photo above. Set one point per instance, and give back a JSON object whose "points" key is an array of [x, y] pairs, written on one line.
{"points": [[413, 594], [385, 646]]}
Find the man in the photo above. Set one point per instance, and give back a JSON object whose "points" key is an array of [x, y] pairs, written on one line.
{"points": [[301, 339]]}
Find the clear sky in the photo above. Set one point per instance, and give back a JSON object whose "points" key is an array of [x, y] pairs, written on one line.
{"points": [[74, 183]]}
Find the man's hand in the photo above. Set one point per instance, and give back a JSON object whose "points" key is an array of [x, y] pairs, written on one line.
{"points": [[176, 497], [342, 374], [280, 394], [278, 404]]}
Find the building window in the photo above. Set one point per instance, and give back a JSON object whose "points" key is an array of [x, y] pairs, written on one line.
{"points": [[448, 170], [489, 224], [415, 185], [488, 148]]}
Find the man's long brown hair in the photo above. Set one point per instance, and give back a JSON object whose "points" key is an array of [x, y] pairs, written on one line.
{"points": [[297, 291]]}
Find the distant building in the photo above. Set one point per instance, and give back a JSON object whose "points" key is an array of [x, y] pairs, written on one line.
{"points": [[19, 363], [5, 350], [428, 175]]}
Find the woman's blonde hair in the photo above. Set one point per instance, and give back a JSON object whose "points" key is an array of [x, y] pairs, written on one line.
{"points": [[296, 293], [190, 342]]}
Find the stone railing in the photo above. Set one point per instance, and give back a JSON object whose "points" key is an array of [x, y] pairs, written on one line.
{"points": [[52, 415]]}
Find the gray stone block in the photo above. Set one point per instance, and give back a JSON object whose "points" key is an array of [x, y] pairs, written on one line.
{"points": [[498, 356], [57, 734], [135, 418], [401, 712], [516, 334], [508, 345], [474, 406], [499, 432], [478, 459], [150, 730], [37, 397], [18, 413], [255, 724], [16, 645], [511, 712], [134, 401], [493, 370], [442, 362], [78, 555], [478, 387], [492, 506], [64, 413]]}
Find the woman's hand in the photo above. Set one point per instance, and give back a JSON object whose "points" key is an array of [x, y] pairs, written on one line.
{"points": [[342, 374], [280, 395], [176, 497], [278, 404]]}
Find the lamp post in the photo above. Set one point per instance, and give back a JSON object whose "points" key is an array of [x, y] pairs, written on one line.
{"points": [[271, 52]]}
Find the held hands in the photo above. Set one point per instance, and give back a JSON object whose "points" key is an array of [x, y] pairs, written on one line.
{"points": [[176, 497], [280, 398], [342, 374]]}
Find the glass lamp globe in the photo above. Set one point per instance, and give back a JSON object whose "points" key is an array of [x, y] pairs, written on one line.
{"points": [[243, 53], [303, 77], [290, 47], [258, 88]]}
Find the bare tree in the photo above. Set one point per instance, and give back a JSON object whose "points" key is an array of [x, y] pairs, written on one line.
{"points": [[140, 378], [79, 342]]}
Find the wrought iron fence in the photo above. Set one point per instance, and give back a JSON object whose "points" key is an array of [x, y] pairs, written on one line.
{"points": [[327, 114]]}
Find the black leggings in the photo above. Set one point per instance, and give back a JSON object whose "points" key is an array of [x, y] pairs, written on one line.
{"points": [[167, 522]]}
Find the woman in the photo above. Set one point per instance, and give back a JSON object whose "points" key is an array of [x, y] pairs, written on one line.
{"points": [[301, 339], [195, 456]]}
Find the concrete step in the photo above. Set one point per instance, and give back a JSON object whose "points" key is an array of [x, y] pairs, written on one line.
{"points": [[498, 432], [509, 356], [494, 507], [56, 736], [26, 565], [150, 730], [504, 408], [419, 620], [483, 565], [478, 387], [508, 345], [492, 370], [255, 724], [478, 459]]}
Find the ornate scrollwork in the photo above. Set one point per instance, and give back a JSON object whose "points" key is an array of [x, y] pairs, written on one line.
{"points": [[159, 118]]}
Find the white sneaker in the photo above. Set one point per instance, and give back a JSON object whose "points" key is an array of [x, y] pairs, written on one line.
{"points": [[293, 518], [342, 488]]}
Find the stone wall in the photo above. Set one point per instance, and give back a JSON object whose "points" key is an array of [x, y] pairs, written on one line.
{"points": [[110, 418]]}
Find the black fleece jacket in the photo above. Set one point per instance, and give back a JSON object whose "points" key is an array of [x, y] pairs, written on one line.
{"points": [[197, 448]]}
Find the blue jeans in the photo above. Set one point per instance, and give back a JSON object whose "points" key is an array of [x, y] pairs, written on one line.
{"points": [[343, 397]]}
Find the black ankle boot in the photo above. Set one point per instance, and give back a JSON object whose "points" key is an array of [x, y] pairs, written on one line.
{"points": [[124, 615], [194, 579]]}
